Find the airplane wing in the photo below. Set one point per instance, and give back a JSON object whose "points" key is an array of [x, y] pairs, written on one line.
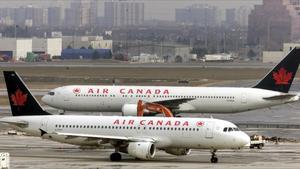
{"points": [[280, 97], [106, 137], [173, 104]]}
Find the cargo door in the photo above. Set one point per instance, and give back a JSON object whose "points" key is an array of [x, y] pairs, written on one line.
{"points": [[244, 98], [209, 129]]}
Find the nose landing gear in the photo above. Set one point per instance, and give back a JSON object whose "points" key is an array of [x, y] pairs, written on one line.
{"points": [[214, 158]]}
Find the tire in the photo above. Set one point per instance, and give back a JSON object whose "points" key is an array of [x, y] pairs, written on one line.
{"points": [[115, 157], [259, 146], [214, 160]]}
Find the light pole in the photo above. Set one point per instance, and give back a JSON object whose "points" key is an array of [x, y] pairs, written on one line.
{"points": [[16, 26]]}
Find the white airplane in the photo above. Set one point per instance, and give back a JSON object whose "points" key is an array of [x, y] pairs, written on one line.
{"points": [[270, 91], [140, 137]]}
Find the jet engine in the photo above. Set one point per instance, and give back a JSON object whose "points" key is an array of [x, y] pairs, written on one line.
{"points": [[141, 150], [178, 151], [129, 110]]}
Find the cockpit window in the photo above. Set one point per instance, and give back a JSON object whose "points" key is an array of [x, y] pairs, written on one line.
{"points": [[51, 93], [229, 129]]}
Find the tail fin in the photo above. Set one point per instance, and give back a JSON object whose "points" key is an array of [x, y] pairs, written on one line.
{"points": [[22, 102], [282, 75]]}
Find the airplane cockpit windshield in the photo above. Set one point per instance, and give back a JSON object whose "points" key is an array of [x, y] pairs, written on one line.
{"points": [[230, 129]]}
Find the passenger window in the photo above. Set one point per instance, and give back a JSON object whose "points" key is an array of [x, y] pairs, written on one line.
{"points": [[225, 129]]}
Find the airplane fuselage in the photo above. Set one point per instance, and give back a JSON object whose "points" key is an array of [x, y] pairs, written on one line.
{"points": [[200, 133], [202, 99]]}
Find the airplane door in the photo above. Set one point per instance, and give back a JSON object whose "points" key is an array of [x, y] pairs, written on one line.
{"points": [[244, 98], [209, 130], [44, 124]]}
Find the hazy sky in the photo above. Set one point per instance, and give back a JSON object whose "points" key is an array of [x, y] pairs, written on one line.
{"points": [[154, 9]]}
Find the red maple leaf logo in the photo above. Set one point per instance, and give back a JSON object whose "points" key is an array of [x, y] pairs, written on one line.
{"points": [[200, 123], [18, 98], [76, 90], [282, 77]]}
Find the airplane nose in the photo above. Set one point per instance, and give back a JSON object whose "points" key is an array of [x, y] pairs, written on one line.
{"points": [[244, 139], [46, 99]]}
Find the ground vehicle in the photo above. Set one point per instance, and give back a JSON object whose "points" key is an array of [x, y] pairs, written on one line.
{"points": [[257, 141]]}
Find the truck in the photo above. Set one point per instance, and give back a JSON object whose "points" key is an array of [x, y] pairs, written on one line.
{"points": [[4, 160], [218, 57], [257, 141]]}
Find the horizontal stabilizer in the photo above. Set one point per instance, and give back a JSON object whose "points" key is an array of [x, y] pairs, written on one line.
{"points": [[280, 97], [21, 124]]}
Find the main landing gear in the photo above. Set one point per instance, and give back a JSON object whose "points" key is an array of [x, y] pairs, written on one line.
{"points": [[116, 156], [214, 158]]}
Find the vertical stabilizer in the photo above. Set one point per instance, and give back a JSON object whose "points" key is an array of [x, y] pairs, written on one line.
{"points": [[22, 102], [281, 77]]}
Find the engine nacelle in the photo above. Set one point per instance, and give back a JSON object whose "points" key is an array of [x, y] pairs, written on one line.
{"points": [[141, 150], [129, 109], [178, 151]]}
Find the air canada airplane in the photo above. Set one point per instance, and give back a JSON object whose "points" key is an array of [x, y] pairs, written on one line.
{"points": [[270, 91], [139, 137]]}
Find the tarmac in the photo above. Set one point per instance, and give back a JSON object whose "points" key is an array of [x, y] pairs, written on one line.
{"points": [[33, 152]]}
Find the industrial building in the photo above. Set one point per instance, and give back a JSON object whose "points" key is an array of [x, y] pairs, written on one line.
{"points": [[276, 56], [51, 46], [86, 54], [17, 48], [95, 42]]}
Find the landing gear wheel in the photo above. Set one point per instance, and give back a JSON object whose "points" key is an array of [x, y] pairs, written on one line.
{"points": [[214, 158], [259, 146], [115, 157]]}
